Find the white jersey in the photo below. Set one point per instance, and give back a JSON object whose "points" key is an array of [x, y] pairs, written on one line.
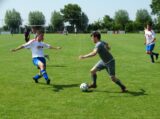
{"points": [[36, 47], [150, 36]]}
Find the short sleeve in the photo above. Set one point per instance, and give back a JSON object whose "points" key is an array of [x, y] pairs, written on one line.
{"points": [[46, 45], [153, 34], [28, 44]]}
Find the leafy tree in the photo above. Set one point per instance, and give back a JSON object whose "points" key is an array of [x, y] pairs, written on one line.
{"points": [[155, 6], [36, 18], [129, 27], [13, 20], [57, 21], [121, 17], [117, 26], [5, 28], [142, 17], [158, 21], [97, 25], [84, 22], [157, 24], [72, 14], [49, 29], [108, 22]]}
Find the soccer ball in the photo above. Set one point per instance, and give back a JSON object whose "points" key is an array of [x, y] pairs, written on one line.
{"points": [[84, 87]]}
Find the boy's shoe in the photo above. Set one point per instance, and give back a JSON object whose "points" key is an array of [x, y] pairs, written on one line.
{"points": [[48, 81], [124, 90], [36, 80], [92, 86]]}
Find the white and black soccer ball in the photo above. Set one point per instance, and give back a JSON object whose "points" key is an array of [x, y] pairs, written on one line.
{"points": [[84, 87]]}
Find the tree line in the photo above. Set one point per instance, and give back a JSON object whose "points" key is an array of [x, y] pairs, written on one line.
{"points": [[75, 17]]}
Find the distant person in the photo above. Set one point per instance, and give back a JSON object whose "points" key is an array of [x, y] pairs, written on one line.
{"points": [[11, 30], [107, 61], [37, 46], [65, 32], [27, 34], [75, 29], [150, 39]]}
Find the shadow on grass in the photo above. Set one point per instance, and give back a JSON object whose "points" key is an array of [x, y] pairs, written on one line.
{"points": [[158, 62], [56, 66], [141, 92], [57, 88], [137, 93]]}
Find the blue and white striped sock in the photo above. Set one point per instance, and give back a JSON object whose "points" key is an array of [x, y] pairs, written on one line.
{"points": [[44, 73]]}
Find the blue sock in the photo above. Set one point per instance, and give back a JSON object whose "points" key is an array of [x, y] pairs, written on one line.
{"points": [[44, 73], [37, 76]]}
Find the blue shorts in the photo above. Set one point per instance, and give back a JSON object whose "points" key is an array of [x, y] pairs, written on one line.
{"points": [[110, 67], [39, 59], [150, 47]]}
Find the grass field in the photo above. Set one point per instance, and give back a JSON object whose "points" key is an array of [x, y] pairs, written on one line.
{"points": [[21, 98]]}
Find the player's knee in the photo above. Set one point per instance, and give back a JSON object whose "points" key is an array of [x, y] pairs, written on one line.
{"points": [[41, 66], [92, 72], [113, 78], [148, 52]]}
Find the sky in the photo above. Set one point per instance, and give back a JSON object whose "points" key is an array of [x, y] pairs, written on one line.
{"points": [[94, 9]]}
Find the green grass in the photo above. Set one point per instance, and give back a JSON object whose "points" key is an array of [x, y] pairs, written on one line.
{"points": [[21, 98]]}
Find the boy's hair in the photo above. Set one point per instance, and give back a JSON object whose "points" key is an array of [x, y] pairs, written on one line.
{"points": [[149, 23], [96, 34], [38, 28]]}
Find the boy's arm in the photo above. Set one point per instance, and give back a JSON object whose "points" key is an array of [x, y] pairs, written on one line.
{"points": [[107, 46], [57, 48], [51, 47], [154, 36], [91, 54], [18, 48], [26, 45], [145, 41]]}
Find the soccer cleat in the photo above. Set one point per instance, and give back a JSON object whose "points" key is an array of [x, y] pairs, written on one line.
{"points": [[124, 90], [92, 86], [36, 80], [48, 81], [157, 55]]}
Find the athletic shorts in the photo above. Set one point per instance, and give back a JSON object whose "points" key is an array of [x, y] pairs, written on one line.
{"points": [[39, 59], [110, 67], [150, 47]]}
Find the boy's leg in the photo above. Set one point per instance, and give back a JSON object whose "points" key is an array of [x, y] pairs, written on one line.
{"points": [[99, 66], [156, 55], [118, 82], [152, 58], [151, 53], [36, 77], [42, 67], [149, 49], [94, 78], [111, 70]]}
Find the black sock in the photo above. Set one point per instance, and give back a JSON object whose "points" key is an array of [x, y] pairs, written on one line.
{"points": [[94, 78], [152, 58], [154, 53], [118, 82]]}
